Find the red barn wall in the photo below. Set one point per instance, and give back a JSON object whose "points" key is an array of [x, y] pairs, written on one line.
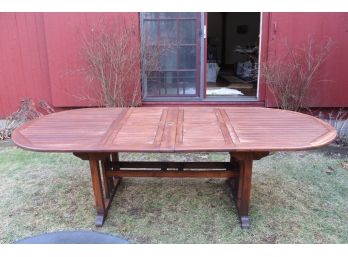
{"points": [[23, 60], [64, 33], [331, 87], [41, 58]]}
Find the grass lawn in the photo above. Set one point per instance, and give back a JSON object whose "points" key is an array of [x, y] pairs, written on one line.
{"points": [[299, 197]]}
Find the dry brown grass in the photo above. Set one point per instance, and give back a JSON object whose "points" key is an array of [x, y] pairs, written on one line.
{"points": [[294, 200]]}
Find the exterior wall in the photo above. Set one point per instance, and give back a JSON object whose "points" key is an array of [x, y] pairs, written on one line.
{"points": [[331, 90], [41, 57], [23, 60], [64, 33]]}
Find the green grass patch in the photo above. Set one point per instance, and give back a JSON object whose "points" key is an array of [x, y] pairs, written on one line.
{"points": [[299, 197]]}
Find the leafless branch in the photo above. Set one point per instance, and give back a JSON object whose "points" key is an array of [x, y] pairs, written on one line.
{"points": [[339, 120], [289, 77], [26, 111], [116, 59]]}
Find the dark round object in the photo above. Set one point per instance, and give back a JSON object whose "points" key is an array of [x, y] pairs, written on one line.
{"points": [[73, 237]]}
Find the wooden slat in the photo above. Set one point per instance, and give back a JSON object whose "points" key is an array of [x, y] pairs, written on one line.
{"points": [[173, 174], [201, 129], [169, 132], [173, 129], [160, 128], [223, 126], [115, 126], [173, 165], [139, 131], [179, 128], [229, 126]]}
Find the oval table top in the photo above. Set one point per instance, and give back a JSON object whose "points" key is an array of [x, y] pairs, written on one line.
{"points": [[174, 129]]}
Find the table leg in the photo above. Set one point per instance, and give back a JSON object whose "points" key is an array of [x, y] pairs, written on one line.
{"points": [[242, 187], [109, 183], [97, 189], [104, 192], [115, 158], [104, 187], [233, 182]]}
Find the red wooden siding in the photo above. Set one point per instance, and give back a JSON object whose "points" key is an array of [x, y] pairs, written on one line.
{"points": [[296, 28], [23, 60], [65, 56], [65, 61], [40, 55]]}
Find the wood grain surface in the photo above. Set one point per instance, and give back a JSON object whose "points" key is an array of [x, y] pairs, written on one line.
{"points": [[174, 129]]}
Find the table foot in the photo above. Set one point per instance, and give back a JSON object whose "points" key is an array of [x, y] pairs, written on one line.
{"points": [[99, 220], [244, 222]]}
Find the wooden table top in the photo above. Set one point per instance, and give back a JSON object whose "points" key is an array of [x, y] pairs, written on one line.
{"points": [[174, 129]]}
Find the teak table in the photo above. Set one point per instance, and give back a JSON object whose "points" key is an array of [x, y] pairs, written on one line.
{"points": [[99, 134]]}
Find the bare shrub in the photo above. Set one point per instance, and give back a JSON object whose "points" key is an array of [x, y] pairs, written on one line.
{"points": [[27, 111], [112, 58], [339, 120], [115, 57], [289, 77]]}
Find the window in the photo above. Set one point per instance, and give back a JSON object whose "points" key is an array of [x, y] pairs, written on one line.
{"points": [[171, 54]]}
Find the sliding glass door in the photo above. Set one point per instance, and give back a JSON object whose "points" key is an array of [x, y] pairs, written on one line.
{"points": [[171, 55]]}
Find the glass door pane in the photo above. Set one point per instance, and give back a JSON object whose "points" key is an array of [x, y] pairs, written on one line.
{"points": [[170, 54]]}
